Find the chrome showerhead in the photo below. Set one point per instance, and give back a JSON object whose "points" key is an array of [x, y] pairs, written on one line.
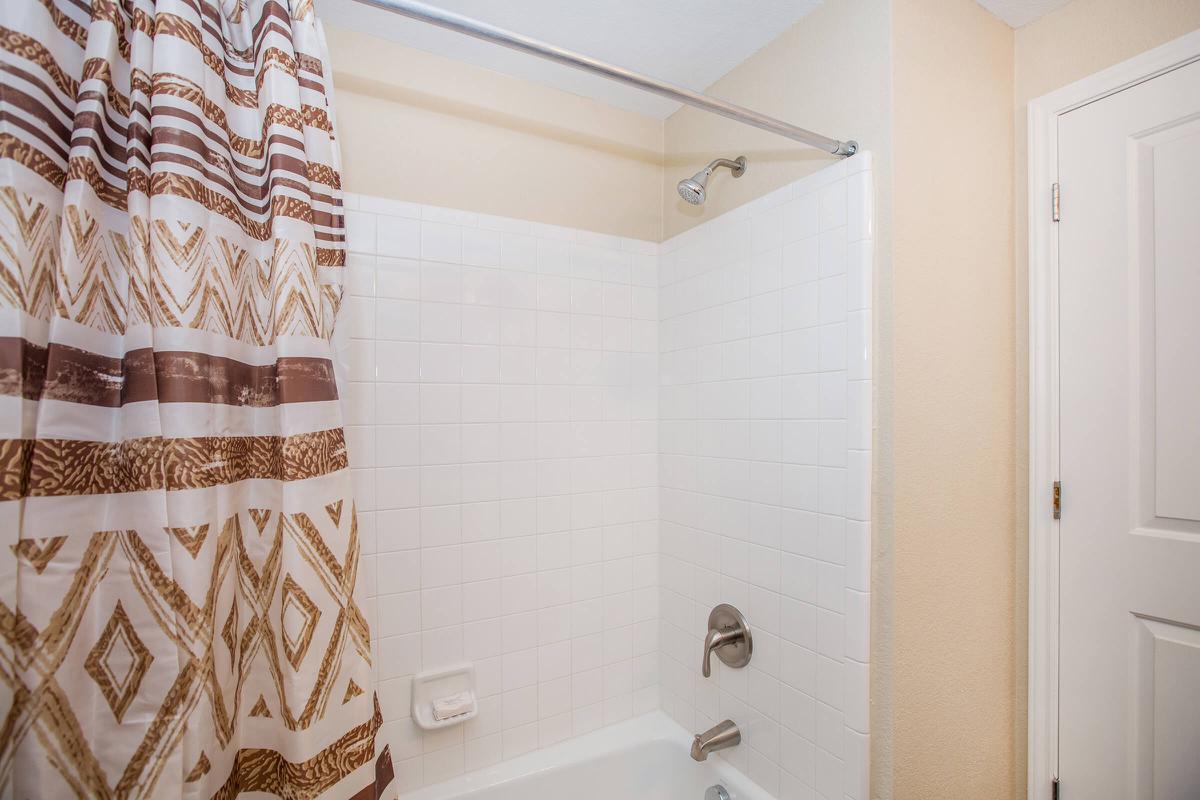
{"points": [[693, 189]]}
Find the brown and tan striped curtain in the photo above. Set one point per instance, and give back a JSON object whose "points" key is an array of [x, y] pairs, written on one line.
{"points": [[180, 608]]}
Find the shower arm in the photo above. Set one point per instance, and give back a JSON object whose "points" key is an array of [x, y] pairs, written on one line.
{"points": [[534, 47], [736, 167]]}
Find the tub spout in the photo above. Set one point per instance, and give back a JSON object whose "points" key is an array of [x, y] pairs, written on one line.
{"points": [[719, 737]]}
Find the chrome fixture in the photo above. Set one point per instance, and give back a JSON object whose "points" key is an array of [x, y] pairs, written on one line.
{"points": [[515, 41], [721, 736], [716, 792], [693, 189], [729, 636]]}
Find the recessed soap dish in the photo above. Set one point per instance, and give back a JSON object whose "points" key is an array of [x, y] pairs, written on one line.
{"points": [[437, 684]]}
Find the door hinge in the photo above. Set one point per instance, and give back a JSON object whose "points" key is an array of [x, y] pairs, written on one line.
{"points": [[1058, 499], [1054, 789], [1055, 202]]}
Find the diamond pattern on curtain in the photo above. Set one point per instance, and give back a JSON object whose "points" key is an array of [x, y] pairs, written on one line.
{"points": [[180, 610]]}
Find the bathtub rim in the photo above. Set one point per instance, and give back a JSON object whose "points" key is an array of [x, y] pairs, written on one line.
{"points": [[653, 726]]}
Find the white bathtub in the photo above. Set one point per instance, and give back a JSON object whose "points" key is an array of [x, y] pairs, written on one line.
{"points": [[645, 758]]}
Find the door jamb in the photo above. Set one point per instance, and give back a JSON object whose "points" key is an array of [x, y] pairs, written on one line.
{"points": [[1043, 385]]}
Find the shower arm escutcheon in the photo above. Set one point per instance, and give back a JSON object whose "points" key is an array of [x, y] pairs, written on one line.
{"points": [[729, 637]]}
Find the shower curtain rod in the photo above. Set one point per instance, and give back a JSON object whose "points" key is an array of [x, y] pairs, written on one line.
{"points": [[534, 47]]}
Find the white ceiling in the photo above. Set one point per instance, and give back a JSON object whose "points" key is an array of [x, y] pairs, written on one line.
{"points": [[687, 42], [1021, 12]]}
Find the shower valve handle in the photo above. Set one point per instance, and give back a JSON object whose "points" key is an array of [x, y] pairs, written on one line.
{"points": [[712, 641], [729, 636]]}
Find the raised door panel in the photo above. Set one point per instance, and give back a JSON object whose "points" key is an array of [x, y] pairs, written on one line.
{"points": [[1175, 263]]}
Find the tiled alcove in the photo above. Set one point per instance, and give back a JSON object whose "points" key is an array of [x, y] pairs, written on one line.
{"points": [[570, 446]]}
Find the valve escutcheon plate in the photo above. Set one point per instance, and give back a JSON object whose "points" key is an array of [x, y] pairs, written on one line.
{"points": [[737, 653]]}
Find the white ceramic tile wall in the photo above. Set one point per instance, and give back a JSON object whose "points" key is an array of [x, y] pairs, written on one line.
{"points": [[552, 452], [765, 436], [502, 424]]}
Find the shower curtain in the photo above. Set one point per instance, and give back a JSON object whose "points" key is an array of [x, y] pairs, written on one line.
{"points": [[181, 612]]}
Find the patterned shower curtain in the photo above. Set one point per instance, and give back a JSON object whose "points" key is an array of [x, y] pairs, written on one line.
{"points": [[181, 613]]}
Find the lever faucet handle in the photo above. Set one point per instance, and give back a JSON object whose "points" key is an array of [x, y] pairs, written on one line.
{"points": [[712, 641], [728, 635]]}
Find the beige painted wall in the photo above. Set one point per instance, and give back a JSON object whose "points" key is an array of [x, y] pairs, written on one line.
{"points": [[1076, 41], [953, 668], [427, 129], [1086, 36]]}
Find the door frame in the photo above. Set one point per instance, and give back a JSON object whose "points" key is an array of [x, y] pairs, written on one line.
{"points": [[1043, 385]]}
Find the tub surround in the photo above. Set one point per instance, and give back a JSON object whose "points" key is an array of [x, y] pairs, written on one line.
{"points": [[502, 425], [765, 438], [569, 447]]}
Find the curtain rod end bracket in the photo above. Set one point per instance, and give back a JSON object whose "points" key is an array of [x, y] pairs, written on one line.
{"points": [[846, 148]]}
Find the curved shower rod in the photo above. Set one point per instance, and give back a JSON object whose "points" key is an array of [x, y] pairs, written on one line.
{"points": [[534, 47]]}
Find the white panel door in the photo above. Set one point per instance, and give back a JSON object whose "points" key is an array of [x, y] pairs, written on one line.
{"points": [[1129, 277]]}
